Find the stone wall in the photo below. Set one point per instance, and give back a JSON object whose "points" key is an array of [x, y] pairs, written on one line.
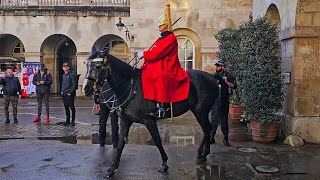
{"points": [[300, 47]]}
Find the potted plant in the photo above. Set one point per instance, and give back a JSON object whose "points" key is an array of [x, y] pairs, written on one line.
{"points": [[261, 77], [229, 51]]}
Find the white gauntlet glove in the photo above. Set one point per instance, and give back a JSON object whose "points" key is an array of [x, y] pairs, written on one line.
{"points": [[140, 54]]}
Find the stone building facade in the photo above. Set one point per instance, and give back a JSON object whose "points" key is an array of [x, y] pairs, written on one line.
{"points": [[56, 31], [299, 26]]}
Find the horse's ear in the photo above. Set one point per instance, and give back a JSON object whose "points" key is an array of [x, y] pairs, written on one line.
{"points": [[105, 52]]}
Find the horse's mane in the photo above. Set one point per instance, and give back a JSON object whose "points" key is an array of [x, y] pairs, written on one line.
{"points": [[120, 66]]}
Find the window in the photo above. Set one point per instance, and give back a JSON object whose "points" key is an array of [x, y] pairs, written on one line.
{"points": [[18, 48], [186, 52]]}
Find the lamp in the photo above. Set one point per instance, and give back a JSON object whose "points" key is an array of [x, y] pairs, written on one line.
{"points": [[120, 27]]}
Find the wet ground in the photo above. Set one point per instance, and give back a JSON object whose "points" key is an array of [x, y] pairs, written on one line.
{"points": [[50, 151]]}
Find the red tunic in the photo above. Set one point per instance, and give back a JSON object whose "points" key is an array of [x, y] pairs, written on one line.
{"points": [[163, 79]]}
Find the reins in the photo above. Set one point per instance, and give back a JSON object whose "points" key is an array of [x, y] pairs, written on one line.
{"points": [[113, 98]]}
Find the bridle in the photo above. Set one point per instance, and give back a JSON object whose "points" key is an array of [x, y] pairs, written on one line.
{"points": [[113, 99]]}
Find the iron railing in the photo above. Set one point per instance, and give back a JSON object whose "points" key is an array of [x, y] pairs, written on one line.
{"points": [[45, 3]]}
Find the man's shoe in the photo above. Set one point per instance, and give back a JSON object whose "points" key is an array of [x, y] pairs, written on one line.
{"points": [[66, 123], [225, 140], [7, 121], [72, 123], [47, 119], [37, 119], [102, 144], [15, 121]]}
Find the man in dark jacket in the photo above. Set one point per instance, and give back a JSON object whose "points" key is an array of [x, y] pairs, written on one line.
{"points": [[220, 109], [101, 95], [11, 93], [43, 81], [68, 92]]}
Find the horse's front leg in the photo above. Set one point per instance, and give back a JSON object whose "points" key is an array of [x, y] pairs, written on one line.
{"points": [[153, 130], [124, 130]]}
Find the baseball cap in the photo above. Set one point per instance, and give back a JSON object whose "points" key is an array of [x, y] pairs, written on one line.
{"points": [[219, 63], [65, 64]]}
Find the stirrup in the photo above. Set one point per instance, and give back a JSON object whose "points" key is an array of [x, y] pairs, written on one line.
{"points": [[160, 113]]}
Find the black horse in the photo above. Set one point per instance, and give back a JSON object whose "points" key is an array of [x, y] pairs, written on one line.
{"points": [[126, 83]]}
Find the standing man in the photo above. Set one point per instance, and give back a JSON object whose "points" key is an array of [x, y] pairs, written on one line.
{"points": [[163, 79], [220, 109], [43, 80], [11, 93], [68, 92], [102, 94]]}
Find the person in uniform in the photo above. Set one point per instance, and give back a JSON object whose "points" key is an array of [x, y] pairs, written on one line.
{"points": [[220, 109], [163, 79]]}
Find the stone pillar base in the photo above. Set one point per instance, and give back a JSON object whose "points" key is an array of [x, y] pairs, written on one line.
{"points": [[306, 127]]}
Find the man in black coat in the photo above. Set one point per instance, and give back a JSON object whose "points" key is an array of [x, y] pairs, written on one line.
{"points": [[220, 109], [11, 93], [102, 94], [43, 81], [68, 92]]}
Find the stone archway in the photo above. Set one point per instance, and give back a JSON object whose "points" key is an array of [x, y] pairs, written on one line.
{"points": [[11, 51], [274, 16], [197, 44], [55, 50], [116, 44]]}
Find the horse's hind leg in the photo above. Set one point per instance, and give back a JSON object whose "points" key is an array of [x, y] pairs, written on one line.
{"points": [[124, 130], [153, 130], [204, 148]]}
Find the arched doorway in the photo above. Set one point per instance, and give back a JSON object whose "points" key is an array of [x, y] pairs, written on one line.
{"points": [[274, 16], [55, 50], [116, 44], [11, 52]]}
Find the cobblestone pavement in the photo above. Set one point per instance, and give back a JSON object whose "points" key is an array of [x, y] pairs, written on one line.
{"points": [[77, 158], [86, 123]]}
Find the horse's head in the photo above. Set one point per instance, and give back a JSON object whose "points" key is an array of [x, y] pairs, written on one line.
{"points": [[95, 70]]}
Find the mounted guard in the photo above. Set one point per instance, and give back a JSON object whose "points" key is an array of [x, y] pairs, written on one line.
{"points": [[163, 79]]}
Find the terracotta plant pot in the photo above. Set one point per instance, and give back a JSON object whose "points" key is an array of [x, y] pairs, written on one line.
{"points": [[270, 136], [235, 113]]}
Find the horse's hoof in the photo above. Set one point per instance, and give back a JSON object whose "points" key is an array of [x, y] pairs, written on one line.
{"points": [[108, 174], [163, 169]]}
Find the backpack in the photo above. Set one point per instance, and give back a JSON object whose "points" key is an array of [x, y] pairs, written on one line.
{"points": [[77, 80]]}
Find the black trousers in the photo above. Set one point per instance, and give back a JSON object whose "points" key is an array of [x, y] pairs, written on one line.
{"points": [[45, 99], [68, 102], [219, 113], [103, 117]]}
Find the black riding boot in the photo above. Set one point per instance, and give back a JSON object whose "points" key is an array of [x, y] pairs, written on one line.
{"points": [[225, 140], [212, 140]]}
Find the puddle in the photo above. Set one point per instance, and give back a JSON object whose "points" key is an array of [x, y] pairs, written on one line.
{"points": [[209, 172], [175, 136], [67, 139], [203, 172]]}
